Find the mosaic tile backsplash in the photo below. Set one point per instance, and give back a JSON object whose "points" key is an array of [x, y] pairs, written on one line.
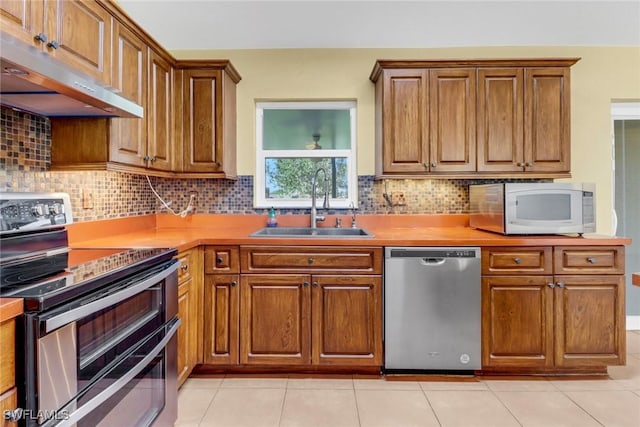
{"points": [[25, 160]]}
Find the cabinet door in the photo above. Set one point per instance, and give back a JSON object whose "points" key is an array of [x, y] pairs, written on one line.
{"points": [[405, 122], [82, 32], [9, 402], [202, 94], [500, 131], [275, 321], [547, 120], [347, 320], [128, 137], [589, 321], [159, 113], [188, 330], [221, 311], [23, 19], [452, 118], [517, 321]]}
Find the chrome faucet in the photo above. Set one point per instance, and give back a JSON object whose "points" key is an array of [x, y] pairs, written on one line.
{"points": [[353, 215], [325, 205]]}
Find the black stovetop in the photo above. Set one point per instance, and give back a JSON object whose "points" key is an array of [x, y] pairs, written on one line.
{"points": [[50, 281]]}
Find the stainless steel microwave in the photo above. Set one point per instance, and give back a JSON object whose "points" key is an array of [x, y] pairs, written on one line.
{"points": [[533, 208]]}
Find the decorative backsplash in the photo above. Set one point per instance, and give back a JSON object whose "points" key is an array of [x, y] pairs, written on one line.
{"points": [[25, 161]]}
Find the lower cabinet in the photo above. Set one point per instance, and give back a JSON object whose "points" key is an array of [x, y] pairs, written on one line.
{"points": [[293, 315], [189, 306], [553, 321]]}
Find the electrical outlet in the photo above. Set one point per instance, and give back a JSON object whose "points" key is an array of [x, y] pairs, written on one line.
{"points": [[87, 199], [398, 199]]}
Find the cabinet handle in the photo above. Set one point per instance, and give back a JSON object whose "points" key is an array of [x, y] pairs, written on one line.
{"points": [[315, 284], [517, 260], [233, 284], [305, 284], [153, 159], [218, 164], [560, 284], [551, 285], [520, 164], [426, 165], [591, 260], [41, 37], [219, 260], [185, 267], [53, 44], [529, 164], [146, 158], [433, 165], [310, 261]]}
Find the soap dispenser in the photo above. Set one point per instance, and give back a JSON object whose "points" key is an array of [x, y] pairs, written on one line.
{"points": [[272, 221]]}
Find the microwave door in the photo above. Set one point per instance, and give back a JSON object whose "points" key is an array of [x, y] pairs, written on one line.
{"points": [[548, 212]]}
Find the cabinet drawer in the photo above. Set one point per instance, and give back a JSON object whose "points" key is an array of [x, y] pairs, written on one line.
{"points": [[589, 260], [508, 260], [188, 261], [297, 259], [221, 260]]}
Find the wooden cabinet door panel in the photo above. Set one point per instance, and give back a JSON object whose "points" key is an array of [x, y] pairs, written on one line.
{"points": [[23, 19], [546, 120], [8, 402], [188, 331], [202, 104], [221, 319], [82, 30], [517, 321], [405, 121], [589, 321], [128, 138], [7, 355], [159, 113], [347, 320], [275, 319], [452, 117], [500, 131]]}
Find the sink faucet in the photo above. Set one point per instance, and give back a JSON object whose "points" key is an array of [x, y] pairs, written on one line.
{"points": [[325, 205], [353, 215]]}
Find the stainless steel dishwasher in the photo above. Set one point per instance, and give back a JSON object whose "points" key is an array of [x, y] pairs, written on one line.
{"points": [[432, 309]]}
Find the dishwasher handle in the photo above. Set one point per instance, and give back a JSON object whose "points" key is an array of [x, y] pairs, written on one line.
{"points": [[432, 261]]}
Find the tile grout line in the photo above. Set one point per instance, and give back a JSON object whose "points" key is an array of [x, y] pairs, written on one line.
{"points": [[435, 414], [209, 406], [284, 400], [355, 398], [583, 409]]}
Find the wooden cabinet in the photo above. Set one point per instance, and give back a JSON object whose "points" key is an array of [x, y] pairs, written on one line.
{"points": [[536, 316], [293, 306], [8, 390], [75, 32], [207, 113], [160, 119], [488, 118], [221, 305], [425, 121], [189, 311], [523, 120]]}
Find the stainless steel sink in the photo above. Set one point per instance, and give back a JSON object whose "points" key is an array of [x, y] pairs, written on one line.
{"points": [[310, 232]]}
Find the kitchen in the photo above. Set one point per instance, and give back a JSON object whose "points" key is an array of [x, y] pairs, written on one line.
{"points": [[336, 74]]}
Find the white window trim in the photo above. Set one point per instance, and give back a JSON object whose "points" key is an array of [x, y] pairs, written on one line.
{"points": [[352, 174]]}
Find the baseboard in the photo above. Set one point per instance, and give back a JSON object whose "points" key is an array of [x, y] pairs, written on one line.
{"points": [[633, 322]]}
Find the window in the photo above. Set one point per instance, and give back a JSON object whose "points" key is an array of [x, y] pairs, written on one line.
{"points": [[293, 140]]}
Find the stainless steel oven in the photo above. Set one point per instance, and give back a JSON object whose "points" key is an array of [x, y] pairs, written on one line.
{"points": [[99, 330]]}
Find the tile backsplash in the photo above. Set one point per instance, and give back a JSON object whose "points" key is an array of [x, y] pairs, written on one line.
{"points": [[25, 162]]}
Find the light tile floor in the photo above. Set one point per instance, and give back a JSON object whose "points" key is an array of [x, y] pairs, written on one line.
{"points": [[258, 402]]}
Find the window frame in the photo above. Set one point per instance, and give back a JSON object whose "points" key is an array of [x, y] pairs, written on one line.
{"points": [[260, 201]]}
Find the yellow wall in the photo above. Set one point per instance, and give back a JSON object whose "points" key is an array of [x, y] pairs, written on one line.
{"points": [[602, 75]]}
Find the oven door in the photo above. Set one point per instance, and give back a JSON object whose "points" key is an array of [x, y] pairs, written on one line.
{"points": [[97, 350]]}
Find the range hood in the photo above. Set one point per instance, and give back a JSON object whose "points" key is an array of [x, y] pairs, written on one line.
{"points": [[34, 81]]}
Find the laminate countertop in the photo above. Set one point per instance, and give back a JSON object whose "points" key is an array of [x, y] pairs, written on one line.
{"points": [[635, 279], [10, 308], [156, 231]]}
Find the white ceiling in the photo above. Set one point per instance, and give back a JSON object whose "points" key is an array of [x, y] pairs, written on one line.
{"points": [[238, 24]]}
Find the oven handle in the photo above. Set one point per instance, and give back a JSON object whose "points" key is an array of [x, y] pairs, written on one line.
{"points": [[101, 397], [79, 312]]}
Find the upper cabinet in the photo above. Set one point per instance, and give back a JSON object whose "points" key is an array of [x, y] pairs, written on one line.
{"points": [[487, 118], [76, 32], [207, 113]]}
